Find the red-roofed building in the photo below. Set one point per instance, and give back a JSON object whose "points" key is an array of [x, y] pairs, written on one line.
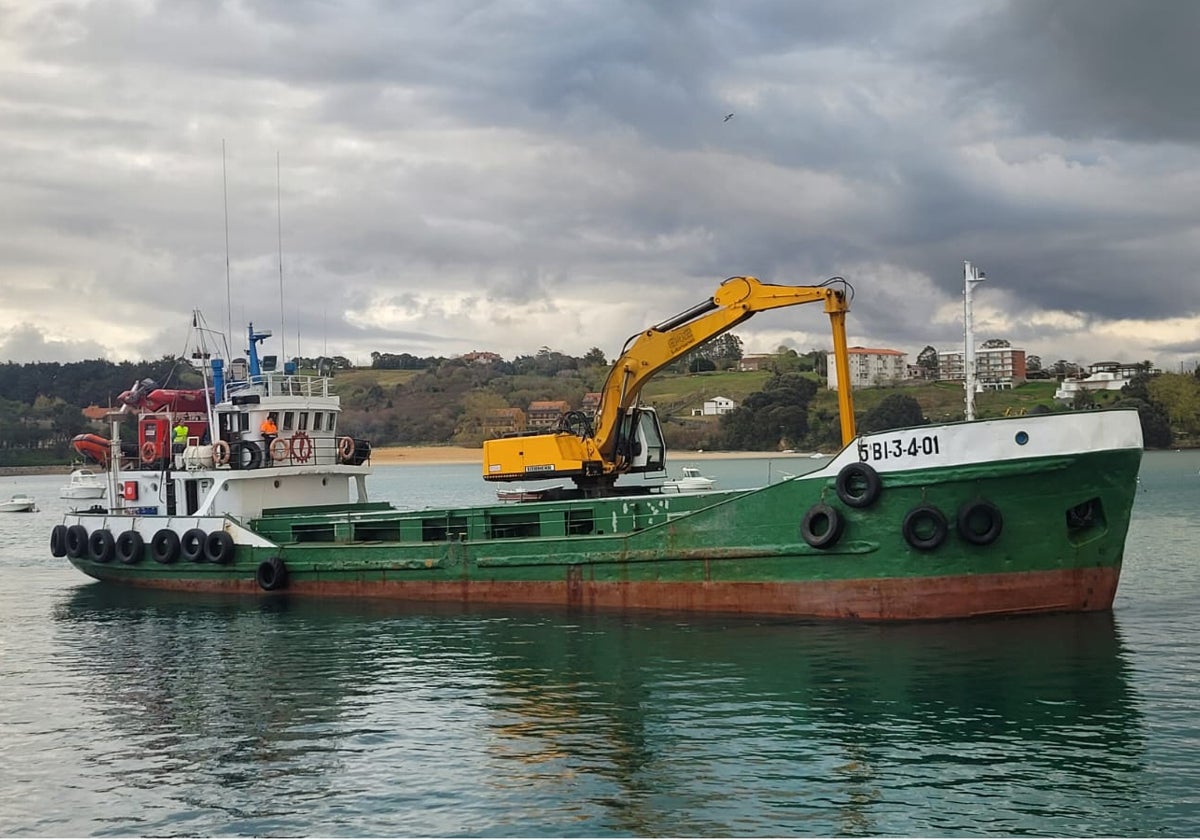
{"points": [[544, 414], [504, 421]]}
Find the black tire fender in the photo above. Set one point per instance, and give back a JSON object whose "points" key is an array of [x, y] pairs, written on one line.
{"points": [[858, 485], [925, 527], [218, 548], [164, 546], [272, 574], [191, 545], [101, 545], [822, 525], [58, 540], [255, 453], [971, 513], [77, 541], [130, 547]]}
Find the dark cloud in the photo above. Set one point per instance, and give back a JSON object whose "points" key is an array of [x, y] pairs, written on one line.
{"points": [[28, 343], [457, 175], [1121, 69]]}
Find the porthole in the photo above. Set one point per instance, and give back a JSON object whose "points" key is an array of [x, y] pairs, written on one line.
{"points": [[276, 482], [1022, 438]]}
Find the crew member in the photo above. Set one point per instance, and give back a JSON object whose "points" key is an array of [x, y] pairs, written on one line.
{"points": [[179, 437], [179, 434], [269, 431]]}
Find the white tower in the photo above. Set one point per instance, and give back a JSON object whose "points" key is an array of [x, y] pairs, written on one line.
{"points": [[971, 277]]}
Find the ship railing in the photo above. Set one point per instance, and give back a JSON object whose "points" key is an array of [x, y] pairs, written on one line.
{"points": [[282, 385]]}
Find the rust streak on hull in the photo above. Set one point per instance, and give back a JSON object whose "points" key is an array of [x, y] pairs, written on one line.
{"points": [[921, 598]]}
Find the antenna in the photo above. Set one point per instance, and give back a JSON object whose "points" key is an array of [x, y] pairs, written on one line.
{"points": [[279, 217], [228, 298]]}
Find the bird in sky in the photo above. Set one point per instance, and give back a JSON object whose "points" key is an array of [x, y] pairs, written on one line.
{"points": [[728, 117]]}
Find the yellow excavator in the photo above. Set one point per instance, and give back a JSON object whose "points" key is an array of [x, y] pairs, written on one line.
{"points": [[625, 437]]}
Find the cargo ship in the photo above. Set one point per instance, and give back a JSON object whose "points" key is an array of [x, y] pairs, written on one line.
{"points": [[1002, 516]]}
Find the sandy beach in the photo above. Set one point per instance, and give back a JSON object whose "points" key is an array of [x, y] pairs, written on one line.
{"points": [[386, 455], [389, 455]]}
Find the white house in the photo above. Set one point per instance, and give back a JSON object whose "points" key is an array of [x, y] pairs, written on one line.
{"points": [[717, 405], [1104, 376]]}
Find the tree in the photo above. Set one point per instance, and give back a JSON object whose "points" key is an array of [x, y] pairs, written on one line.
{"points": [[1179, 396], [1033, 363], [1156, 427], [896, 411], [787, 360], [1064, 368], [820, 362], [595, 356], [726, 350], [775, 415], [927, 361], [996, 342]]}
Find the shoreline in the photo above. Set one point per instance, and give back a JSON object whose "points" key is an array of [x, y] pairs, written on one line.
{"points": [[388, 456], [392, 455]]}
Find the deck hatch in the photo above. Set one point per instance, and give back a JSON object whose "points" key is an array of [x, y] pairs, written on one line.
{"points": [[443, 529], [580, 521], [316, 532], [513, 525], [386, 531]]}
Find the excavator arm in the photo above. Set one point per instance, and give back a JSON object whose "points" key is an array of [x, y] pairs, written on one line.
{"points": [[598, 455]]}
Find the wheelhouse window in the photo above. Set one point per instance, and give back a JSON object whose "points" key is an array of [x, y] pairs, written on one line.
{"points": [[317, 417], [289, 421], [303, 421]]}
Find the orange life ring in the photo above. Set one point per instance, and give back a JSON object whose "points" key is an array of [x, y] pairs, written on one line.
{"points": [[221, 453], [279, 449], [346, 448], [149, 451], [301, 447]]}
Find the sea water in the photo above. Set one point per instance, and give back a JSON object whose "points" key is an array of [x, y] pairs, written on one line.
{"points": [[137, 713]]}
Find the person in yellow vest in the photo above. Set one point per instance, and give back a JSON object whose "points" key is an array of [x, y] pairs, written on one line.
{"points": [[179, 435], [269, 431]]}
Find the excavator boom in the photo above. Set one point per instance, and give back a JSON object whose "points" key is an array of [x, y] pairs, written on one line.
{"points": [[617, 442]]}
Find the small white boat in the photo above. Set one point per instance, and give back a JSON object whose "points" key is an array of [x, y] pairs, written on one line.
{"points": [[691, 481], [83, 484], [528, 494], [19, 503]]}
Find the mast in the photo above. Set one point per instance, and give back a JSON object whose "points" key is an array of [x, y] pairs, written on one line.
{"points": [[279, 219], [228, 296], [972, 276]]}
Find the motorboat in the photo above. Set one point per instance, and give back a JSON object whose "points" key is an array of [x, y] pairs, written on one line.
{"points": [[19, 503], [528, 494], [83, 484], [690, 481]]}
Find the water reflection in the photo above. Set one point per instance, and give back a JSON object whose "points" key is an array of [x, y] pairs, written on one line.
{"points": [[384, 718]]}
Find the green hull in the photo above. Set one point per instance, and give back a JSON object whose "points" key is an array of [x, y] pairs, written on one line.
{"points": [[1053, 542]]}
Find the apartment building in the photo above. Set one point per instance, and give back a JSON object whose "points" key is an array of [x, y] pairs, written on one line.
{"points": [[870, 366], [995, 367]]}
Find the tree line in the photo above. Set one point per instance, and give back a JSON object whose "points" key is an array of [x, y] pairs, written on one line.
{"points": [[450, 400]]}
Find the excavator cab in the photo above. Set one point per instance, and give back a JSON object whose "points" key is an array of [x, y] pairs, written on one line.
{"points": [[640, 441]]}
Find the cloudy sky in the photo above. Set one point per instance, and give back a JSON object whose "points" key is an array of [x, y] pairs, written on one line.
{"points": [[440, 177]]}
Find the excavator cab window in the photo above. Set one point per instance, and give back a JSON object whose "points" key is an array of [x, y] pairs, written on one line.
{"points": [[641, 441]]}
